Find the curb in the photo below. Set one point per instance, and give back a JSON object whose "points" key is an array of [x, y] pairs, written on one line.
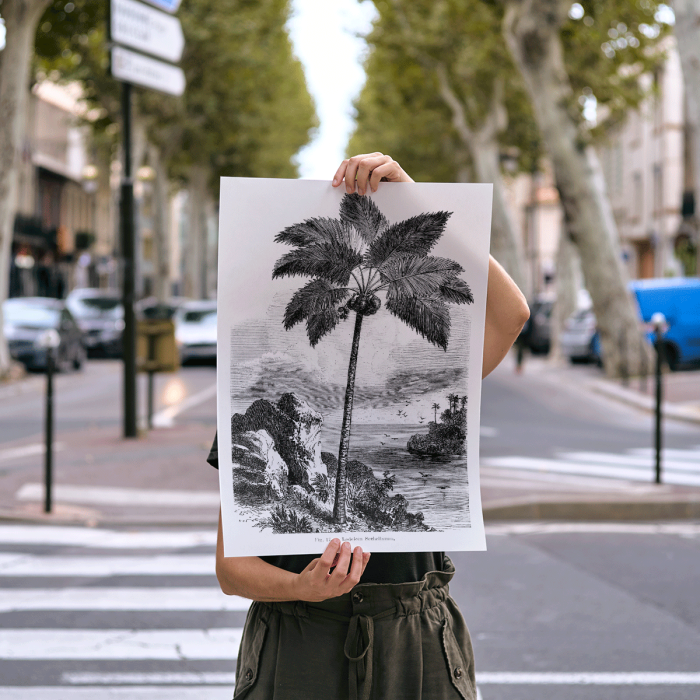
{"points": [[646, 403]]}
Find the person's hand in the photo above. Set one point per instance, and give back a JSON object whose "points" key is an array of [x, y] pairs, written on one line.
{"points": [[317, 582], [368, 169]]}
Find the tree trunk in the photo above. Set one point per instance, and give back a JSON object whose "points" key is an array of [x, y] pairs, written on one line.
{"points": [[21, 17], [532, 31], [341, 477], [195, 245], [687, 29], [482, 143], [161, 224]]}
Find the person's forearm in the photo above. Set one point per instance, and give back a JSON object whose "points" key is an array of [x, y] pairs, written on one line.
{"points": [[506, 314], [251, 577]]}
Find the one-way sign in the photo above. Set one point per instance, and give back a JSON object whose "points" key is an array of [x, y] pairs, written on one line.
{"points": [[132, 67], [143, 28]]}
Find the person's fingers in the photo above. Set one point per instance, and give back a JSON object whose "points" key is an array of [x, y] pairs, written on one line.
{"points": [[365, 561], [390, 171], [311, 565], [341, 568], [327, 559], [352, 168], [353, 577], [340, 173], [366, 168]]}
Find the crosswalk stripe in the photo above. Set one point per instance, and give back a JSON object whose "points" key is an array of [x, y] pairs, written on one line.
{"points": [[631, 460], [569, 467], [643, 678], [692, 456], [116, 693], [13, 564], [202, 678], [114, 496], [105, 539], [151, 599], [37, 448], [123, 644]]}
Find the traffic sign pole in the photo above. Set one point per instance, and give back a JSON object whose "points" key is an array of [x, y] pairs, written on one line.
{"points": [[128, 258]]}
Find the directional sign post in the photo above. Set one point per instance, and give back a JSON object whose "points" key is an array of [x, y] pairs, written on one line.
{"points": [[149, 31], [142, 28]]}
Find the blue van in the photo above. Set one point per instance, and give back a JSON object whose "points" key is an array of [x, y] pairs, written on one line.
{"points": [[678, 299]]}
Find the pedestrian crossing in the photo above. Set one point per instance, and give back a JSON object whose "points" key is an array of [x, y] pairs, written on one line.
{"points": [[680, 467], [95, 613]]}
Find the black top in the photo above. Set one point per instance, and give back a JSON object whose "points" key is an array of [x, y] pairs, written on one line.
{"points": [[383, 567]]}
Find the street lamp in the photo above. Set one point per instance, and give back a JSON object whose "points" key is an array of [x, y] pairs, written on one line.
{"points": [[49, 340], [658, 322]]}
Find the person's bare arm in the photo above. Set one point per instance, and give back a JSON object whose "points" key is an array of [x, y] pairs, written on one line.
{"points": [[506, 314], [251, 577]]}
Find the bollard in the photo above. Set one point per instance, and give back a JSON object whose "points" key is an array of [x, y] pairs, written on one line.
{"points": [[658, 320], [50, 340]]}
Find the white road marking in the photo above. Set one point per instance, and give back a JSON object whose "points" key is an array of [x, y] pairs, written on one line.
{"points": [[114, 496], [125, 693], [105, 539], [13, 564], [681, 529], [642, 678], [37, 448], [203, 678], [165, 417], [174, 644], [641, 461], [200, 598], [582, 468], [692, 455]]}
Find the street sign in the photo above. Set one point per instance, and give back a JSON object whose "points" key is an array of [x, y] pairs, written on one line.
{"points": [[146, 29], [148, 72], [167, 5]]}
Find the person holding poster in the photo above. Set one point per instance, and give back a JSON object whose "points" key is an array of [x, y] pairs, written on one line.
{"points": [[345, 625]]}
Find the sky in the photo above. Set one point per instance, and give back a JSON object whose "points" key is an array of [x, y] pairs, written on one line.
{"points": [[326, 41]]}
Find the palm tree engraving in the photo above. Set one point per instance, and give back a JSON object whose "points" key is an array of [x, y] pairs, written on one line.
{"points": [[436, 408], [350, 261]]}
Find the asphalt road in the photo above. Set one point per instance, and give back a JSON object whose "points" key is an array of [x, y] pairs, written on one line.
{"points": [[98, 614]]}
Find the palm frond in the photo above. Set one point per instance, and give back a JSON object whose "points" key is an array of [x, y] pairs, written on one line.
{"points": [[364, 215], [307, 232], [331, 260], [415, 236], [320, 324], [457, 291], [318, 296], [429, 317], [413, 275]]}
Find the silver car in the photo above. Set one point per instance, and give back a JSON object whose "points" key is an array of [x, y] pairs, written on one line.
{"points": [[195, 331], [577, 341]]}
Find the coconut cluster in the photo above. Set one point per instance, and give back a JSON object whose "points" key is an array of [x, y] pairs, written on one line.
{"points": [[365, 305]]}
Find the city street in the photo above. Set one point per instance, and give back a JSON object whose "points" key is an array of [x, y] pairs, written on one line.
{"points": [[579, 612]]}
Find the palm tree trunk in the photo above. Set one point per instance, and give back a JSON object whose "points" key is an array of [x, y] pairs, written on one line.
{"points": [[341, 477]]}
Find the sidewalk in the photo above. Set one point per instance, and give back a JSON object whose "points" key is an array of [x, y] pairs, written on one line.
{"points": [[162, 479]]}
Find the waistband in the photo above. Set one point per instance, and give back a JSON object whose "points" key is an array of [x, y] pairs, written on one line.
{"points": [[365, 604]]}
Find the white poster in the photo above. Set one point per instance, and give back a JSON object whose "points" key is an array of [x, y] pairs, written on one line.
{"points": [[350, 340]]}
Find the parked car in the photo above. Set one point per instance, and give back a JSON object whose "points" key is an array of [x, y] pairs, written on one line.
{"points": [[100, 315], [195, 331], [26, 322], [677, 298], [577, 341]]}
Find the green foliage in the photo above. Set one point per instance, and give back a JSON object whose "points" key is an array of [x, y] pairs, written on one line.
{"points": [[400, 110], [246, 110], [323, 487]]}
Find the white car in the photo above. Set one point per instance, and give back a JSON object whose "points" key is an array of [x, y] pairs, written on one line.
{"points": [[195, 331], [577, 341]]}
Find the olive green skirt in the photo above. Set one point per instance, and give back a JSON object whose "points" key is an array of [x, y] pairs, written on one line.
{"points": [[403, 641]]}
